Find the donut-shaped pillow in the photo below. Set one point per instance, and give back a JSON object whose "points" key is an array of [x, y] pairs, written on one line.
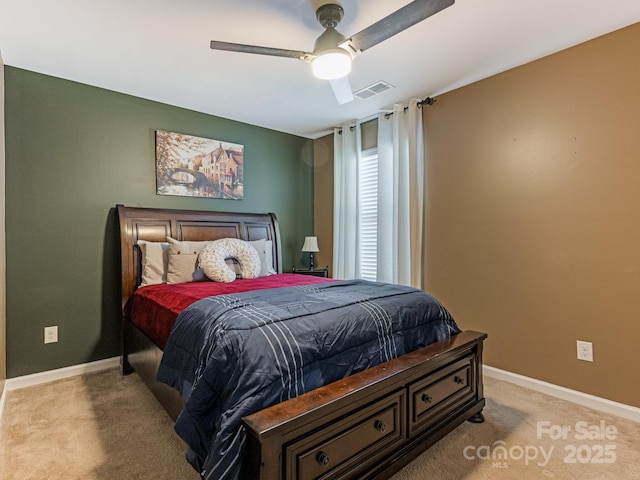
{"points": [[212, 259]]}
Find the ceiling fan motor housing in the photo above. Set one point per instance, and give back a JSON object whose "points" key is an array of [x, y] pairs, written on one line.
{"points": [[329, 40], [329, 15]]}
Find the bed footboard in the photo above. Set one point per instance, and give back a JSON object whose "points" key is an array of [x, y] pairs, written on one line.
{"points": [[373, 423]]}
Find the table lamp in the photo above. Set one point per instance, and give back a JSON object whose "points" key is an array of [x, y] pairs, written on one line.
{"points": [[311, 246]]}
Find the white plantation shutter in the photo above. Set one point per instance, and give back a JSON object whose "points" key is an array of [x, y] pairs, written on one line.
{"points": [[368, 198]]}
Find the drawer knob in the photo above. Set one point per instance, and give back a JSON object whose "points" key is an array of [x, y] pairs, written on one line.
{"points": [[426, 398], [380, 426], [458, 380], [322, 459]]}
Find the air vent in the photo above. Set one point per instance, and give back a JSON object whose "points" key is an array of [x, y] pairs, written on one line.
{"points": [[372, 90]]}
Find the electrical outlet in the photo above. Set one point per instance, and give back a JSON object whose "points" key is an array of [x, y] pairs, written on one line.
{"points": [[585, 351], [51, 334]]}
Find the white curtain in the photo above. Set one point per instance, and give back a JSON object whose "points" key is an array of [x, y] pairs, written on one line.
{"points": [[346, 255], [401, 195]]}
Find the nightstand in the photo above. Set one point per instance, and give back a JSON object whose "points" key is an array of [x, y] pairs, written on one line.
{"points": [[316, 272]]}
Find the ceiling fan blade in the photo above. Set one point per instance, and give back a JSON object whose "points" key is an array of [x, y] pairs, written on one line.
{"points": [[342, 90], [398, 21], [274, 52]]}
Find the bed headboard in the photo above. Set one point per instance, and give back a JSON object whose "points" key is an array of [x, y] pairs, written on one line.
{"points": [[156, 224]]}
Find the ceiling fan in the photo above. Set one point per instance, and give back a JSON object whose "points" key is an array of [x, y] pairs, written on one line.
{"points": [[333, 52]]}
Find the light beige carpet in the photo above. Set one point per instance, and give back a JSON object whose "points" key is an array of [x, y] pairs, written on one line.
{"points": [[103, 426], [99, 426], [528, 435]]}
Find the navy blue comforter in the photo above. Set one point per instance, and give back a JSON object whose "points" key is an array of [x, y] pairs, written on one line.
{"points": [[232, 355]]}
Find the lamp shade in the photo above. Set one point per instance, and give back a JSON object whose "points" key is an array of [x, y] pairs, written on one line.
{"points": [[310, 244]]}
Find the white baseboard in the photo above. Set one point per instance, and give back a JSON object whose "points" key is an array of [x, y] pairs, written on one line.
{"points": [[591, 401], [3, 397], [60, 373]]}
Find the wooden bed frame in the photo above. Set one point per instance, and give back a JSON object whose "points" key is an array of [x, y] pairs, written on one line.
{"points": [[366, 426]]}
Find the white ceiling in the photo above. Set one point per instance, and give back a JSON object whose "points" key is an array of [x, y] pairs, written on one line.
{"points": [[160, 50]]}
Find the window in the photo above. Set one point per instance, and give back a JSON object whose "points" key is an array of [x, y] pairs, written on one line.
{"points": [[368, 199]]}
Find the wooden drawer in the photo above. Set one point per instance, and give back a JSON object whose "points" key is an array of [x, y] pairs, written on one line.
{"points": [[342, 449], [438, 394]]}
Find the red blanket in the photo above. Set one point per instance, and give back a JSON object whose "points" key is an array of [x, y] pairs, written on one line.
{"points": [[154, 308]]}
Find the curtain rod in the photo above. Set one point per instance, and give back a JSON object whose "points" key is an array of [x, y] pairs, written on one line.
{"points": [[426, 101]]}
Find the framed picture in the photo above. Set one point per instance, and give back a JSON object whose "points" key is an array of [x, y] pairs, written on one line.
{"points": [[198, 167]]}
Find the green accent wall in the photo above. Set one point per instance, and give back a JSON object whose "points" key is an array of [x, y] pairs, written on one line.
{"points": [[73, 152]]}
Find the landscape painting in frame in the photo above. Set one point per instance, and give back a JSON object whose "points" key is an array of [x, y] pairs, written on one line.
{"points": [[198, 167]]}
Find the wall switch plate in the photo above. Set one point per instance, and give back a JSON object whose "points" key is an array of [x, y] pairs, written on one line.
{"points": [[51, 334], [585, 351]]}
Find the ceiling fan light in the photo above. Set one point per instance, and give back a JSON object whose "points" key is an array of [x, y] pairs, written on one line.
{"points": [[331, 64]]}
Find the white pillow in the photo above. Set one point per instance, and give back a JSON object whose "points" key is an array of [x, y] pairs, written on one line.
{"points": [[155, 260], [271, 268], [212, 259], [264, 248]]}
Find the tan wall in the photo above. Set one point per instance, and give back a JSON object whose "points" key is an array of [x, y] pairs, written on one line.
{"points": [[533, 214], [533, 184]]}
